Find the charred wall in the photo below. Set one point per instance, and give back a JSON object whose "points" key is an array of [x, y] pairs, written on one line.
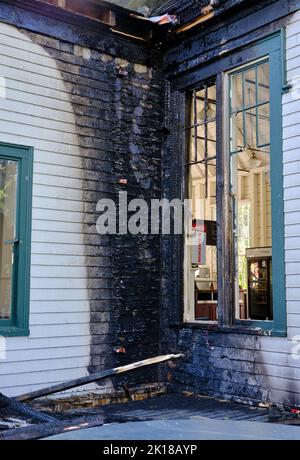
{"points": [[115, 88], [219, 361]]}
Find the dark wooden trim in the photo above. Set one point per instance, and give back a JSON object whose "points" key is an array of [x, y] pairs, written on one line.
{"points": [[101, 375], [209, 45], [11, 404], [75, 30], [43, 430], [244, 53], [96, 15], [235, 329], [172, 246], [225, 220]]}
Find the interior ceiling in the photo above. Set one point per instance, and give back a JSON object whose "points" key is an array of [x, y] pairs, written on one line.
{"points": [[153, 7]]}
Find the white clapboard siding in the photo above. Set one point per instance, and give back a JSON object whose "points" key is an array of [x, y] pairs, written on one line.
{"points": [[37, 112], [276, 360]]}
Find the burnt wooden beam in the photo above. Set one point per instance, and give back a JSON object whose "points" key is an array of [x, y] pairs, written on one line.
{"points": [[93, 14], [43, 430], [12, 404], [95, 377], [96, 10], [224, 36], [68, 27]]}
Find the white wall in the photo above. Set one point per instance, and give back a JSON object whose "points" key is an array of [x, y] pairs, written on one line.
{"points": [[276, 357], [36, 112]]}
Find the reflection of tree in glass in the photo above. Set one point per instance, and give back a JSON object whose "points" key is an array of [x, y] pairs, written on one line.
{"points": [[7, 182], [8, 175], [243, 242]]}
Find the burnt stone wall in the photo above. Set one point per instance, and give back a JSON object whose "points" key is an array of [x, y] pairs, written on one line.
{"points": [[226, 365]]}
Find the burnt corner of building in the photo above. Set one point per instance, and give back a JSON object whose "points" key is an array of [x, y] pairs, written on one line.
{"points": [[177, 101]]}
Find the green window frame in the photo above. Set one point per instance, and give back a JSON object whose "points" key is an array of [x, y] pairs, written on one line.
{"points": [[270, 49], [18, 323]]}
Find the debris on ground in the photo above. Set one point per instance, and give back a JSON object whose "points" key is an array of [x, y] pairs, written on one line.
{"points": [[39, 425]]}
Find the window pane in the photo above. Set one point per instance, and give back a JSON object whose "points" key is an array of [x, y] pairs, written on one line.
{"points": [[251, 187], [237, 132], [237, 92], [200, 111], [203, 243], [250, 128], [250, 88], [263, 83], [201, 239], [211, 102], [263, 125], [251, 184], [8, 192]]}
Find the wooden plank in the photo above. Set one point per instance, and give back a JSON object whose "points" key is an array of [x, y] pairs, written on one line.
{"points": [[12, 404], [50, 429], [97, 376], [37, 344], [58, 330], [61, 249], [38, 355], [79, 361], [58, 283], [39, 379], [56, 237]]}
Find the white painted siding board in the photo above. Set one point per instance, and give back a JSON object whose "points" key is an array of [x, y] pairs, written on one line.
{"points": [[63, 193], [38, 112], [55, 364], [56, 237], [60, 249], [54, 214], [52, 353], [291, 155], [48, 343], [293, 319], [61, 295], [275, 359], [54, 307], [37, 116], [39, 319], [53, 204], [43, 377], [291, 168], [59, 330]]}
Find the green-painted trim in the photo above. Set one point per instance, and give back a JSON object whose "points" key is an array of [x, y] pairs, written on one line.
{"points": [[267, 327], [14, 332], [271, 48], [19, 323], [285, 86], [278, 253]]}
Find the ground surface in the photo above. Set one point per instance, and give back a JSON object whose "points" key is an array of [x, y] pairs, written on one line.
{"points": [[181, 417], [179, 406], [196, 428]]}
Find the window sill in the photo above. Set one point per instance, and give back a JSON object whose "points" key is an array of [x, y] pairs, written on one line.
{"points": [[14, 332], [235, 329]]}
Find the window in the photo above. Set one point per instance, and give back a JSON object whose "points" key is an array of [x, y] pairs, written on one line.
{"points": [[240, 229], [249, 111], [201, 257], [15, 224]]}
